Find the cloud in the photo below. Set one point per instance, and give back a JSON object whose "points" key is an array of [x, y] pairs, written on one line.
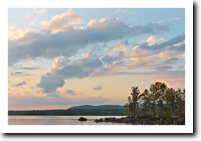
{"points": [[98, 88], [119, 47], [177, 18], [181, 67], [182, 55], [164, 45], [81, 68], [16, 34], [163, 51], [19, 73], [60, 62], [171, 60], [163, 68], [57, 23], [179, 44], [50, 82], [28, 68], [19, 84], [33, 23], [111, 59], [116, 63], [39, 12], [43, 44], [153, 39], [173, 82], [72, 92], [16, 73], [119, 12], [122, 12]]}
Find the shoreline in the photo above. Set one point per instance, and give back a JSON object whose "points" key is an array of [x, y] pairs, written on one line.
{"points": [[138, 121]]}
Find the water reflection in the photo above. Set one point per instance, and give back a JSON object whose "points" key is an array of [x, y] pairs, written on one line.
{"points": [[58, 120]]}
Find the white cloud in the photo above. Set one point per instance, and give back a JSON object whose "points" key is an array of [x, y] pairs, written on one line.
{"points": [[15, 34], [57, 23], [40, 12], [172, 19], [30, 45], [179, 44], [153, 39], [119, 12], [33, 23]]}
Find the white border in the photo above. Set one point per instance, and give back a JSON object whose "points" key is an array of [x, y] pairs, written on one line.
{"points": [[188, 5]]}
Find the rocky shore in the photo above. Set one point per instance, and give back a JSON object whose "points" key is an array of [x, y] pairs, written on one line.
{"points": [[137, 121]]}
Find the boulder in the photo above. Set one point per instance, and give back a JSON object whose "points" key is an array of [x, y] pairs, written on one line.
{"points": [[82, 119], [99, 120], [111, 119]]}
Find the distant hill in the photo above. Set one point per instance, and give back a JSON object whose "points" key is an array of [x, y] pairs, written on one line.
{"points": [[98, 107]]}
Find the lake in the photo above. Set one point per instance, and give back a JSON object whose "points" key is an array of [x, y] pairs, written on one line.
{"points": [[58, 120]]}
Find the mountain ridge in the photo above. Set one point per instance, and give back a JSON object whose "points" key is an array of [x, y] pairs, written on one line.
{"points": [[97, 107]]}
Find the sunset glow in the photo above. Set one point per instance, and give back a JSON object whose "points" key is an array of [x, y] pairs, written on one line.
{"points": [[59, 58]]}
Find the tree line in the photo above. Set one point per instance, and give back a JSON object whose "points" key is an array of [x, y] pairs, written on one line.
{"points": [[159, 99], [82, 112]]}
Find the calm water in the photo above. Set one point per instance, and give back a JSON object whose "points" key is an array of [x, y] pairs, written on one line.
{"points": [[58, 120]]}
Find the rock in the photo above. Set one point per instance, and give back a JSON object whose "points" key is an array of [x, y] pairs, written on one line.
{"points": [[99, 120], [82, 119], [111, 119], [118, 120], [130, 120], [138, 122], [96, 120], [122, 121], [162, 121]]}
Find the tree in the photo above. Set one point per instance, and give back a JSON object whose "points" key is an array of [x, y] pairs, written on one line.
{"points": [[160, 108], [129, 106], [181, 102], [160, 105], [146, 101], [170, 98], [156, 93], [127, 109], [136, 96], [155, 96]]}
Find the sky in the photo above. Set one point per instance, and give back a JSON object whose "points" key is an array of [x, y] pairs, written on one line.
{"points": [[64, 57]]}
